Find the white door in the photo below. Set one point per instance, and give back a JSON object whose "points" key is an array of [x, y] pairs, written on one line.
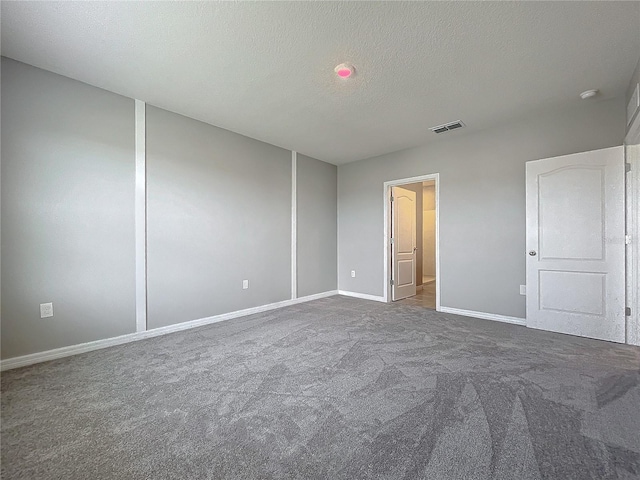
{"points": [[403, 246], [575, 244]]}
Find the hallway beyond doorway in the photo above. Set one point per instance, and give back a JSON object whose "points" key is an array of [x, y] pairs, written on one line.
{"points": [[424, 298], [421, 191]]}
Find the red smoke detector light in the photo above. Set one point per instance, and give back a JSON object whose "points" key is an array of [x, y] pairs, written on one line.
{"points": [[344, 70]]}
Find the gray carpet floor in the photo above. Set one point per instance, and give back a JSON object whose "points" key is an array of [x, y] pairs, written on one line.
{"points": [[338, 388]]}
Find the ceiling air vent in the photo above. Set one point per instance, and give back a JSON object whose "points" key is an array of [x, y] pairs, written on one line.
{"points": [[447, 126]]}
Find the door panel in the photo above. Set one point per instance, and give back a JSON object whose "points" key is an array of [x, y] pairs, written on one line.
{"points": [[588, 297], [571, 199], [575, 240], [403, 248], [405, 273]]}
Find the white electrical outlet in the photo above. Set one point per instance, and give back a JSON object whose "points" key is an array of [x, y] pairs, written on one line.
{"points": [[523, 289], [245, 284], [353, 274], [46, 310]]}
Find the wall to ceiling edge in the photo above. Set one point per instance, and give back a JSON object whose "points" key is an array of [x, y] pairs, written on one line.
{"points": [[482, 202], [68, 219], [219, 210]]}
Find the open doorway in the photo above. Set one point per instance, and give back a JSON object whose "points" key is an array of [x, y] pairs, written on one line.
{"points": [[411, 242]]}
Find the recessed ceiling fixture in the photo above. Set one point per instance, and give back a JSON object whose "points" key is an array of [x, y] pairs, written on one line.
{"points": [[344, 70], [589, 94], [447, 127]]}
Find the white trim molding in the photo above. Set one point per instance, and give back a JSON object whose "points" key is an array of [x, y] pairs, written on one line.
{"points": [[386, 291], [54, 354], [141, 216], [363, 296], [484, 316], [632, 157], [294, 224], [633, 133], [632, 154]]}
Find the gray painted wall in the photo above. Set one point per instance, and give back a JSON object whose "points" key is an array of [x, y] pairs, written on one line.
{"points": [[67, 211], [218, 208], [317, 207], [218, 212], [482, 202]]}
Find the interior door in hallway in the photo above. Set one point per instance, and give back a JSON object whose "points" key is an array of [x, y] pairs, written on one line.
{"points": [[403, 247], [576, 244]]}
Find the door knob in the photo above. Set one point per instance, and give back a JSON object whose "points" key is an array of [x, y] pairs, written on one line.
{"points": [[532, 253], [415, 249]]}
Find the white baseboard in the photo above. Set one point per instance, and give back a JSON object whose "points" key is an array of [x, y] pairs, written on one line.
{"points": [[364, 296], [32, 358], [484, 316]]}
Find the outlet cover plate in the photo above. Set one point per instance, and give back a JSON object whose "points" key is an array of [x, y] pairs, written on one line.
{"points": [[46, 310], [523, 289], [245, 284]]}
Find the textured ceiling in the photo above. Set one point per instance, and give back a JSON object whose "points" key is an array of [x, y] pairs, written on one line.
{"points": [[265, 69]]}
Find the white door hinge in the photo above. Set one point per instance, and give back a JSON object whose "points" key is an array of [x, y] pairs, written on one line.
{"points": [[627, 311], [392, 282], [627, 167], [627, 239]]}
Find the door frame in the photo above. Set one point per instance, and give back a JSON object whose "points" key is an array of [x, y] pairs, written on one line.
{"points": [[387, 230], [632, 156]]}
